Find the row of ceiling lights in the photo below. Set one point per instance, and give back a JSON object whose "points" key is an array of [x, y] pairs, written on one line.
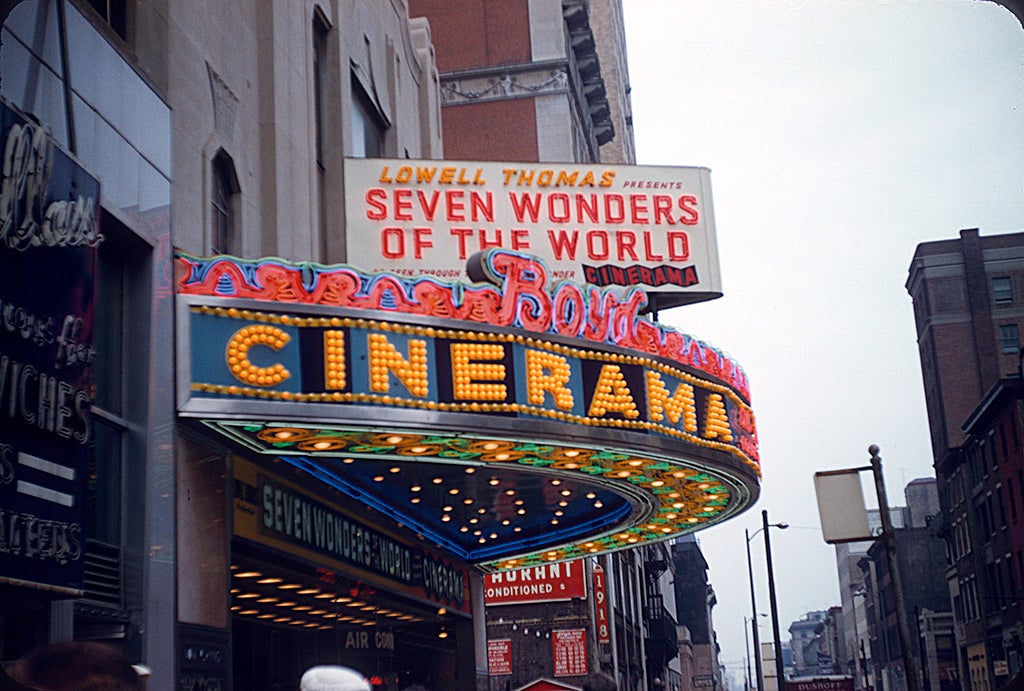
{"points": [[685, 496], [298, 605]]}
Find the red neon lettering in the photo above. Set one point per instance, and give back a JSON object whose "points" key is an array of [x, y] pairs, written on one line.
{"points": [[403, 205], [481, 206], [377, 210], [485, 243], [649, 254], [453, 200], [598, 244], [555, 214], [520, 239], [690, 215], [625, 241], [462, 235], [525, 206], [569, 311], [524, 297], [392, 243], [421, 240], [563, 243], [614, 208], [663, 209], [678, 246], [638, 209], [429, 207], [586, 211]]}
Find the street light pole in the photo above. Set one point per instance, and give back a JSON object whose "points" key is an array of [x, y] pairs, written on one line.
{"points": [[779, 667], [753, 602], [856, 638], [889, 536], [746, 643], [753, 605]]}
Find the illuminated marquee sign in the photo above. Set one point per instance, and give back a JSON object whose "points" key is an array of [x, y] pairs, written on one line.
{"points": [[343, 359], [348, 360], [276, 513], [651, 429], [604, 225]]}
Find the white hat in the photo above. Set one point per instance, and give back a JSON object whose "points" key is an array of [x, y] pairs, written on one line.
{"points": [[333, 678]]}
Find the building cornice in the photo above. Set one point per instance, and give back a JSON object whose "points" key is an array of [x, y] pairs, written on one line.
{"points": [[504, 82]]}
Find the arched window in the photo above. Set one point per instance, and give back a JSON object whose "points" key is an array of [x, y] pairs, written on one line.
{"points": [[223, 204]]}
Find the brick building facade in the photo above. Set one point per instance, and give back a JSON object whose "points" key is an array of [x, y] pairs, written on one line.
{"points": [[968, 296]]}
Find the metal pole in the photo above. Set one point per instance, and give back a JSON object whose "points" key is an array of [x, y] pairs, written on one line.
{"points": [[753, 605], [746, 643], [856, 644], [780, 672], [909, 661]]}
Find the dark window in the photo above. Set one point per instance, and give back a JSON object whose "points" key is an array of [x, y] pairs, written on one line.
{"points": [[223, 204], [367, 125], [114, 13], [1009, 339], [1002, 289], [119, 255], [319, 56]]}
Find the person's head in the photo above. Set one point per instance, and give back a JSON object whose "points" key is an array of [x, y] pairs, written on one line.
{"points": [[77, 666], [333, 678], [600, 682]]}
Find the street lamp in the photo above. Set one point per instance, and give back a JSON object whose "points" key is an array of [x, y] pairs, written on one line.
{"points": [[780, 672], [746, 643], [859, 665], [753, 599]]}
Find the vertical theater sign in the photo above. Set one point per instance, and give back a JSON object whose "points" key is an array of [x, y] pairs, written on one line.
{"points": [[49, 234]]}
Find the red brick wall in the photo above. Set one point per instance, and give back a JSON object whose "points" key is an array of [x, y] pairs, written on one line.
{"points": [[476, 33], [494, 131]]}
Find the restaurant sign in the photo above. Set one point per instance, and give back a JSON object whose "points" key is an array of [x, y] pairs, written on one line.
{"points": [[49, 234]]}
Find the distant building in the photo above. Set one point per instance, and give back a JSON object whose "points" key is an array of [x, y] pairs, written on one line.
{"points": [[830, 649], [695, 599], [854, 650], [806, 643], [922, 563]]}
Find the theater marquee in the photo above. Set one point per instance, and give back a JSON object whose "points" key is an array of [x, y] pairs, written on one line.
{"points": [[512, 421], [604, 225]]}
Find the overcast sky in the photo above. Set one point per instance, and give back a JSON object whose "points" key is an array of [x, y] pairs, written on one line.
{"points": [[840, 134]]}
